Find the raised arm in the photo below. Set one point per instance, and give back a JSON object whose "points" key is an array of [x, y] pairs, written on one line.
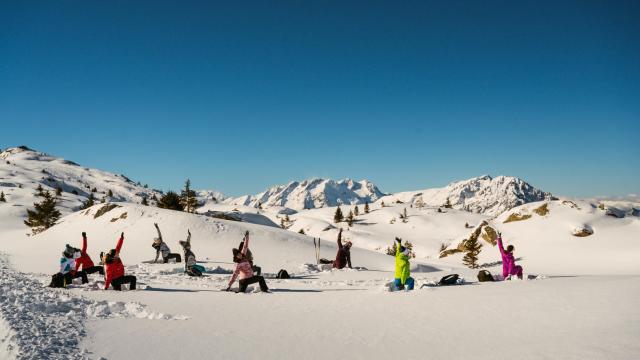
{"points": [[119, 245], [500, 246], [398, 243], [188, 236], [158, 229], [84, 243], [245, 247], [340, 239]]}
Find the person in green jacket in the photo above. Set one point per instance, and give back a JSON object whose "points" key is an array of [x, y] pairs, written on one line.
{"points": [[403, 273]]}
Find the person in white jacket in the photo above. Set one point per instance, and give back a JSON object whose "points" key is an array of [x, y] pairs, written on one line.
{"points": [[162, 248], [68, 266]]}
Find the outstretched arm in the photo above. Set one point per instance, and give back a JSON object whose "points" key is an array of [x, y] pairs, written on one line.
{"points": [[340, 239], [245, 247], [233, 277], [188, 236], [500, 246], [158, 229], [84, 243], [398, 243], [119, 245], [157, 255]]}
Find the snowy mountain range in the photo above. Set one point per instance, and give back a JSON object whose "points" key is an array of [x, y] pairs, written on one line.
{"points": [[484, 195], [312, 194]]}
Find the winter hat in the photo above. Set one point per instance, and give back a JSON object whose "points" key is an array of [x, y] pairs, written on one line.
{"points": [[68, 251], [405, 251], [184, 244]]}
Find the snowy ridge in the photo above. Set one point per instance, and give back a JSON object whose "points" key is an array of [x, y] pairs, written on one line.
{"points": [[484, 195], [312, 194]]}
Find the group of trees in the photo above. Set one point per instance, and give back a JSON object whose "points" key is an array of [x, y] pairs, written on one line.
{"points": [[186, 201]]}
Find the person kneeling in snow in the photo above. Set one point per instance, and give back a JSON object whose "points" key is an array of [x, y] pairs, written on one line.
{"points": [[162, 248], [509, 267], [244, 271], [190, 266], [403, 273], [68, 266], [84, 260], [256, 269], [343, 257], [114, 269]]}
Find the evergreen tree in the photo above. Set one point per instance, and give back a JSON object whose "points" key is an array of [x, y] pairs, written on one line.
{"points": [[282, 224], [350, 218], [404, 216], [144, 201], [366, 207], [382, 204], [58, 191], [89, 203], [44, 216], [110, 193], [103, 200], [39, 190], [301, 231], [2, 198], [171, 201], [188, 198], [356, 211], [94, 190], [338, 217], [473, 248], [447, 204]]}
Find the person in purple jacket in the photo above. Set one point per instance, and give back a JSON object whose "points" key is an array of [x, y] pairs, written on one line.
{"points": [[509, 267]]}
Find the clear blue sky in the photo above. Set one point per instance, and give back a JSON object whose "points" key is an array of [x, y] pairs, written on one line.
{"points": [[409, 94]]}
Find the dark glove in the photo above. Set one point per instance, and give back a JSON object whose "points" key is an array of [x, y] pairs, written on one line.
{"points": [[228, 289], [398, 240], [122, 234], [84, 234]]}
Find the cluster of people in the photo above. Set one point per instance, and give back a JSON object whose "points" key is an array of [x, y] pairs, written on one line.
{"points": [[76, 263]]}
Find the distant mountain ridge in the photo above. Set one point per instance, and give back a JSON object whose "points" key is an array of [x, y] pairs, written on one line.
{"points": [[484, 194], [312, 194]]}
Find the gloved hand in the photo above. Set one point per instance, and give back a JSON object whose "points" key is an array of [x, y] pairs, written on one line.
{"points": [[228, 288], [84, 234], [122, 234]]}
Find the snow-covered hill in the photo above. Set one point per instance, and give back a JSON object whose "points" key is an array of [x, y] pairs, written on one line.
{"points": [[312, 194], [485, 194]]}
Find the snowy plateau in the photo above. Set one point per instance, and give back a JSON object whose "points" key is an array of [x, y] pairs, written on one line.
{"points": [[578, 298]]}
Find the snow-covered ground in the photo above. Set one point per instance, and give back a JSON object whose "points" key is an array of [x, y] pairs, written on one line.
{"points": [[578, 299]]}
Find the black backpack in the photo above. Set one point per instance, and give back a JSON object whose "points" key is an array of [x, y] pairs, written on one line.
{"points": [[449, 280], [57, 281], [485, 275], [283, 274]]}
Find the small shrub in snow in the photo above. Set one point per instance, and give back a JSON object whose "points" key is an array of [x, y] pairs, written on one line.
{"points": [[89, 203], [301, 231], [171, 201], [516, 217], [473, 248], [337, 216], [356, 211], [105, 209], [542, 210], [447, 204], [582, 231], [2, 198], [366, 207]]}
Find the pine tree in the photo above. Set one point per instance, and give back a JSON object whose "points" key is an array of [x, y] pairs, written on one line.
{"points": [[338, 217], [44, 216], [350, 218], [301, 231], [39, 190], [282, 223], [89, 203], [473, 247], [2, 198], [110, 193], [144, 201], [404, 216], [58, 191], [366, 207], [188, 198], [94, 190], [447, 204], [170, 201], [382, 204], [356, 211]]}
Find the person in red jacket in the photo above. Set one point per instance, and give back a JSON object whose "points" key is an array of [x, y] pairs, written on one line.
{"points": [[343, 257], [114, 269], [85, 261]]}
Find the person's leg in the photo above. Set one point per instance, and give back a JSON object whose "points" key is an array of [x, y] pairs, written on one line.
{"points": [[518, 271], [257, 270], [244, 283], [81, 274], [398, 284], [117, 283], [68, 279], [94, 269], [263, 284], [131, 280], [410, 283]]}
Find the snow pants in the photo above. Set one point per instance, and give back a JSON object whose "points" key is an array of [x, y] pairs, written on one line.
{"points": [[252, 280], [126, 279], [174, 256], [68, 277], [409, 283], [94, 269]]}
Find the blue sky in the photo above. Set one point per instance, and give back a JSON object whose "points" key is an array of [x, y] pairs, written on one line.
{"points": [[409, 94]]}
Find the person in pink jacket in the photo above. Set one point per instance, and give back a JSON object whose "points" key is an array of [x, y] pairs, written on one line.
{"points": [[244, 271], [509, 267]]}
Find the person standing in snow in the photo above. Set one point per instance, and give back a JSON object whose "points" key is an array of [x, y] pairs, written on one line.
{"points": [[509, 267], [343, 257], [84, 260], [403, 273], [190, 266], [244, 271], [114, 269], [162, 248], [68, 266]]}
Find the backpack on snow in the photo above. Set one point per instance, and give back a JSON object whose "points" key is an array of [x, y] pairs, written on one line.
{"points": [[57, 281], [283, 274], [485, 275], [449, 280]]}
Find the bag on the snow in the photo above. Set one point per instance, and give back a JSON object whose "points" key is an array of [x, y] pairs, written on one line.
{"points": [[283, 274], [57, 281], [449, 280], [485, 275]]}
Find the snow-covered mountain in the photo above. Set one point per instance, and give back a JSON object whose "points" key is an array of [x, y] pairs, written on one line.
{"points": [[312, 194], [485, 194]]}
